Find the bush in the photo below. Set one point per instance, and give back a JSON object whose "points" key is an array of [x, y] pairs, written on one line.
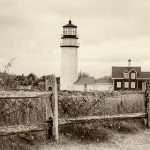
{"points": [[85, 133], [22, 141], [121, 126], [76, 104]]}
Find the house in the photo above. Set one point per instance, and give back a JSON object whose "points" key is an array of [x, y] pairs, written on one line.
{"points": [[92, 84], [103, 85], [84, 84], [129, 78]]}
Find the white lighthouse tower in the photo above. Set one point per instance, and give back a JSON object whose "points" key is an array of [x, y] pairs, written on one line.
{"points": [[69, 57]]}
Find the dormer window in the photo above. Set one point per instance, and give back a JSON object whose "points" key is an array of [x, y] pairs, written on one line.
{"points": [[126, 75], [132, 75]]}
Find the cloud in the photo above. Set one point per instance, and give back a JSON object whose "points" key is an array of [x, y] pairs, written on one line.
{"points": [[110, 32]]}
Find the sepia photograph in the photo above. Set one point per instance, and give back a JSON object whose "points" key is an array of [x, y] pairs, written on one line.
{"points": [[74, 75]]}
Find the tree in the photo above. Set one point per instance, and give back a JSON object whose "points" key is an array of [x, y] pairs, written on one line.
{"points": [[105, 77], [83, 74], [31, 78], [7, 79]]}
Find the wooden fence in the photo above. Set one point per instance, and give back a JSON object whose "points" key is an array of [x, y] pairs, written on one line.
{"points": [[52, 121], [143, 115], [50, 100]]}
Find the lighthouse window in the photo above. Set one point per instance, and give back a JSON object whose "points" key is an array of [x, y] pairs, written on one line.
{"points": [[69, 31], [74, 31], [65, 31]]}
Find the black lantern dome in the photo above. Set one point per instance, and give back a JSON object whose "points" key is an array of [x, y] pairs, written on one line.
{"points": [[69, 31]]}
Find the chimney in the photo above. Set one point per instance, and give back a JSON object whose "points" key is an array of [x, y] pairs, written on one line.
{"points": [[129, 63]]}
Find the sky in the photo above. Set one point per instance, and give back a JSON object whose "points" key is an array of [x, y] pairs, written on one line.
{"points": [[110, 32]]}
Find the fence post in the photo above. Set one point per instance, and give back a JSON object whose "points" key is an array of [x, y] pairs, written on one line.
{"points": [[55, 109], [147, 103], [51, 84]]}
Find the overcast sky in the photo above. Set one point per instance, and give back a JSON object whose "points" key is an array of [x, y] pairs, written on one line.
{"points": [[110, 32]]}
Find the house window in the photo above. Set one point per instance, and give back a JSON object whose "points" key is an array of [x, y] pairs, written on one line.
{"points": [[126, 84], [118, 84], [126, 75], [132, 75], [133, 85]]}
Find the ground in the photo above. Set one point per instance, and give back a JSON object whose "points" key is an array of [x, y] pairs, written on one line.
{"points": [[137, 141]]}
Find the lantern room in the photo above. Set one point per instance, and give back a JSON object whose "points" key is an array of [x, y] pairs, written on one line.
{"points": [[70, 31]]}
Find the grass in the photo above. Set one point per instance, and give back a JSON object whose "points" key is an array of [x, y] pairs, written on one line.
{"points": [[119, 141], [100, 131], [85, 133], [22, 141], [81, 104]]}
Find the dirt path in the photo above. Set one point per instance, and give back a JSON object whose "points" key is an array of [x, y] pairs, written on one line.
{"points": [[140, 141]]}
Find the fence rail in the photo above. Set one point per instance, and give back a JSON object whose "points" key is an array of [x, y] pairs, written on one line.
{"points": [[99, 118], [9, 130], [46, 95]]}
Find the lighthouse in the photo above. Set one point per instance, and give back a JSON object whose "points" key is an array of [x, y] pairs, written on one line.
{"points": [[69, 57]]}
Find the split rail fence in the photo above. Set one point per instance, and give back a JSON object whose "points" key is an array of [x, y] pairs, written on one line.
{"points": [[52, 120]]}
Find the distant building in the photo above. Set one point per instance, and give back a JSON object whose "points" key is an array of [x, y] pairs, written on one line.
{"points": [[129, 78], [91, 84]]}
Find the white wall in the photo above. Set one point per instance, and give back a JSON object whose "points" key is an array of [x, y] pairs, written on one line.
{"points": [[95, 87], [79, 87], [103, 87], [69, 67]]}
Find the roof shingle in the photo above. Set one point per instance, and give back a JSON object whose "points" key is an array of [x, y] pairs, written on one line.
{"points": [[85, 80], [117, 72]]}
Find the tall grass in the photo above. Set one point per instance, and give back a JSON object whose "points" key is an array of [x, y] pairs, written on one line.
{"points": [[21, 111], [98, 103]]}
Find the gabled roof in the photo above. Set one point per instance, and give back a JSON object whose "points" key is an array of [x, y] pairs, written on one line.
{"points": [[85, 80], [103, 81], [90, 81], [117, 72], [144, 75]]}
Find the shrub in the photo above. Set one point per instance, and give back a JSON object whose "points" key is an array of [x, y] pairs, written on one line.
{"points": [[22, 141], [85, 133], [121, 126], [76, 104]]}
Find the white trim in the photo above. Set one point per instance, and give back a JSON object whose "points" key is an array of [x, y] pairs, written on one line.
{"points": [[135, 73], [82, 84], [126, 70], [103, 83], [113, 85], [142, 78], [133, 69], [117, 78]]}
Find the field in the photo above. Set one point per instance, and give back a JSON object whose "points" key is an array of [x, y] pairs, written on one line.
{"points": [[138, 141], [106, 103]]}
